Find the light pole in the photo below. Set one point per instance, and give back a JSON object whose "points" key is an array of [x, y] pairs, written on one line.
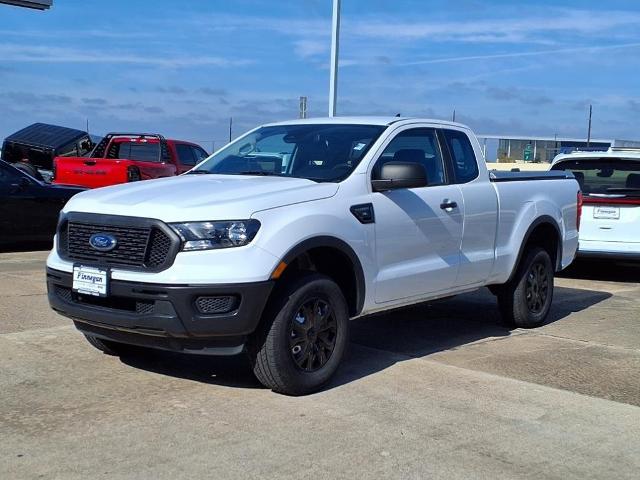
{"points": [[589, 129], [335, 44]]}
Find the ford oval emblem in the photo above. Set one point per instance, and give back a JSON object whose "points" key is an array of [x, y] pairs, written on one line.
{"points": [[103, 242]]}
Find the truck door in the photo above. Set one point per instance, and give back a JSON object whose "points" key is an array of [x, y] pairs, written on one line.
{"points": [[418, 230], [480, 205]]}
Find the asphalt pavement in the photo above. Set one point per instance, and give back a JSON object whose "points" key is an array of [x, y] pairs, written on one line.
{"points": [[441, 390]]}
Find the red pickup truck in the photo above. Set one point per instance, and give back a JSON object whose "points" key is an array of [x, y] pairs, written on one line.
{"points": [[128, 157]]}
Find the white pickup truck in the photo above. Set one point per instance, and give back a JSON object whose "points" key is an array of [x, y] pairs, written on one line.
{"points": [[272, 244]]}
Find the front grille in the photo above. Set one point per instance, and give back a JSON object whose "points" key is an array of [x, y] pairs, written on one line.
{"points": [[159, 248], [130, 249], [213, 305], [142, 244]]}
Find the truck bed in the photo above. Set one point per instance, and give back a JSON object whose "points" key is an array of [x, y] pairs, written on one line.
{"points": [[503, 176]]}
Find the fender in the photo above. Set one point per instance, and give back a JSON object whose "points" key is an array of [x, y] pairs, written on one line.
{"points": [[536, 223], [344, 247]]}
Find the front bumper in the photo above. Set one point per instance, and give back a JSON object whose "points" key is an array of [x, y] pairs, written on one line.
{"points": [[162, 316]]}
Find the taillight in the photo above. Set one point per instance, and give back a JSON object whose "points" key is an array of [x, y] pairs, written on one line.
{"points": [[579, 215], [133, 174]]}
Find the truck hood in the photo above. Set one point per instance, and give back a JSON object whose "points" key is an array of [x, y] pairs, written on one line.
{"points": [[200, 197]]}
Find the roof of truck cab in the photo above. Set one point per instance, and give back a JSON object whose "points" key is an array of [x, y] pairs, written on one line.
{"points": [[367, 120], [44, 135], [617, 153], [146, 138]]}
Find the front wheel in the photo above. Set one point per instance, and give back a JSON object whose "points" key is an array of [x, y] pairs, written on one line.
{"points": [[302, 336], [526, 300]]}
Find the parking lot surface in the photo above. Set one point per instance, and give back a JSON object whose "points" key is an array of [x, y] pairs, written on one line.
{"points": [[438, 390]]}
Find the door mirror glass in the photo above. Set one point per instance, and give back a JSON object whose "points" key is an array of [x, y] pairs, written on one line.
{"points": [[394, 175]]}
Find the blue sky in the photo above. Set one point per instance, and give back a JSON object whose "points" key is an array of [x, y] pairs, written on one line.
{"points": [[183, 68]]}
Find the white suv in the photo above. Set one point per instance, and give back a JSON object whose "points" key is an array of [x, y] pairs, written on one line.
{"points": [[610, 184]]}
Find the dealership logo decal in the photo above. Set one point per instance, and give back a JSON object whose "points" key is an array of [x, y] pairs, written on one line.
{"points": [[103, 242]]}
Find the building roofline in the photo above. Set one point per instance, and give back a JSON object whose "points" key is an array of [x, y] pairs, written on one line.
{"points": [[548, 139], [367, 120]]}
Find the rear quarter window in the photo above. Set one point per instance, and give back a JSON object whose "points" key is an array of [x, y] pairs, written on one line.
{"points": [[463, 158]]}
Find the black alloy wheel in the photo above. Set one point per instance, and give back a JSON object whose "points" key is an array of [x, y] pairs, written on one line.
{"points": [[525, 300], [537, 288], [313, 334], [302, 336]]}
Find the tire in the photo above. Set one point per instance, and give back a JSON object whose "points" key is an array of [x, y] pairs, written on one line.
{"points": [[526, 300], [108, 347], [29, 169], [302, 336]]}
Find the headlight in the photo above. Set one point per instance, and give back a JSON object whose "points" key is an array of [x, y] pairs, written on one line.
{"points": [[210, 235]]}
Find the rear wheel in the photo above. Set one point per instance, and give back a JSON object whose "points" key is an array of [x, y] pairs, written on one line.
{"points": [[107, 346], [526, 300], [302, 336]]}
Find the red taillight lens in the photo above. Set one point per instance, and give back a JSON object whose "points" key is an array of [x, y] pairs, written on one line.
{"points": [[579, 215]]}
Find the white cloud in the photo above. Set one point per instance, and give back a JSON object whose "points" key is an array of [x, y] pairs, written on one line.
{"points": [[525, 28], [556, 51], [310, 48], [111, 33], [38, 54], [287, 26]]}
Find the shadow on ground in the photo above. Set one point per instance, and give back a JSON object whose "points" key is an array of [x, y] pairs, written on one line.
{"points": [[603, 270], [16, 247], [411, 332]]}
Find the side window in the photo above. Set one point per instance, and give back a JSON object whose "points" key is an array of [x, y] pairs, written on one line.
{"points": [[418, 145], [68, 150], [185, 155], [465, 164], [199, 154], [84, 146]]}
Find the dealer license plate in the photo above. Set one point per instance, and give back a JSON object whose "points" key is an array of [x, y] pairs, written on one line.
{"points": [[609, 213], [90, 280]]}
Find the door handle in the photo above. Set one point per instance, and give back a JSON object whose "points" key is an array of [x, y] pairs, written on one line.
{"points": [[448, 205]]}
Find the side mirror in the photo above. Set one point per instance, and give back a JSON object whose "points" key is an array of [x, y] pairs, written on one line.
{"points": [[394, 175]]}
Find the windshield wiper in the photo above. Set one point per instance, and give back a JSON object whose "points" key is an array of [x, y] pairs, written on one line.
{"points": [[198, 172]]}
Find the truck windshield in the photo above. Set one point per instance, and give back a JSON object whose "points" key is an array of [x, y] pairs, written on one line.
{"points": [[323, 153], [605, 177]]}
